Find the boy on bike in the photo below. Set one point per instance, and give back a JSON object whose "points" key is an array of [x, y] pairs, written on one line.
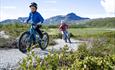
{"points": [[63, 28], [35, 18]]}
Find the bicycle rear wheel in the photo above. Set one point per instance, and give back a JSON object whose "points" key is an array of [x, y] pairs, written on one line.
{"points": [[45, 41]]}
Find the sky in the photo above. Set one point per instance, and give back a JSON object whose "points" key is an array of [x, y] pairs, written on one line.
{"points": [[12, 9]]}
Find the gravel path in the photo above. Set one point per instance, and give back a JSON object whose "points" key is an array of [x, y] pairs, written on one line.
{"points": [[11, 57]]}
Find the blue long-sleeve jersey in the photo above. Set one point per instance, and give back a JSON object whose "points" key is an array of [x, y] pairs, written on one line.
{"points": [[35, 18]]}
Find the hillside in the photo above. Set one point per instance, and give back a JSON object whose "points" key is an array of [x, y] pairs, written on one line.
{"points": [[101, 22], [69, 18]]}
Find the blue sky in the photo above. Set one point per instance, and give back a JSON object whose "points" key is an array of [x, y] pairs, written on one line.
{"points": [[12, 9]]}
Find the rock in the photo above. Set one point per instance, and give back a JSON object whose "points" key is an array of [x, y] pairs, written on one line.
{"points": [[8, 43], [4, 35]]}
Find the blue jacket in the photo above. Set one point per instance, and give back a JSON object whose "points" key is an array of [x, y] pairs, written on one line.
{"points": [[35, 18]]}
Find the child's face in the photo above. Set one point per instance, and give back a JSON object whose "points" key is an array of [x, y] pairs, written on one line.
{"points": [[33, 9]]}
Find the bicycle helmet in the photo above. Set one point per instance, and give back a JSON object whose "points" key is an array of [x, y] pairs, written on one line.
{"points": [[33, 4]]}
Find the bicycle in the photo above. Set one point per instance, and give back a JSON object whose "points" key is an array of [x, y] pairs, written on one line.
{"points": [[26, 40]]}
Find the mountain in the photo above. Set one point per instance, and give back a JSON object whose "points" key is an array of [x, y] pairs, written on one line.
{"points": [[22, 19], [101, 22], [72, 16], [8, 21], [69, 18]]}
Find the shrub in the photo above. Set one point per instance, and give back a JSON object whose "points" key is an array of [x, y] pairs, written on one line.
{"points": [[69, 60]]}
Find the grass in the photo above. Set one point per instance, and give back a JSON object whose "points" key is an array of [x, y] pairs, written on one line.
{"points": [[79, 31], [16, 29]]}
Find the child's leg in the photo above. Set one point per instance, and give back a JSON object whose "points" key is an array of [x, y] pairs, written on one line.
{"points": [[39, 32], [65, 35], [62, 34], [33, 34]]}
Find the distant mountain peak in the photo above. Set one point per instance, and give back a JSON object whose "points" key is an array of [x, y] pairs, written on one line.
{"points": [[73, 14]]}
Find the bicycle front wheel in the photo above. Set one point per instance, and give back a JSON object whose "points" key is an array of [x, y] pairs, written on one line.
{"points": [[24, 43]]}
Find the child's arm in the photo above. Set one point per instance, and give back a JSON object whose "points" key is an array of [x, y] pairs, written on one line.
{"points": [[60, 27], [41, 18], [28, 18]]}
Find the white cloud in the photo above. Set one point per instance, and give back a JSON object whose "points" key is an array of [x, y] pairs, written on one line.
{"points": [[109, 5], [52, 9], [8, 7], [51, 1], [6, 14]]}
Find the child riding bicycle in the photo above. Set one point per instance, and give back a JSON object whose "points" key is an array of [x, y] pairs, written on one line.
{"points": [[34, 36], [35, 18], [63, 28]]}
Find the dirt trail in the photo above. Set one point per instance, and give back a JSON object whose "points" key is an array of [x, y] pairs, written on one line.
{"points": [[11, 57], [72, 46]]}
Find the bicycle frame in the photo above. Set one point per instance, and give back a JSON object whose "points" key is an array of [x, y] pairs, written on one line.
{"points": [[33, 34]]}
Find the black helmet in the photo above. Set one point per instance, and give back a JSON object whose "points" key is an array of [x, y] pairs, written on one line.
{"points": [[33, 4]]}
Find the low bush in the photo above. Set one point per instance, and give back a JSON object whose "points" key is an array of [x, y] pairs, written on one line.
{"points": [[77, 60]]}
